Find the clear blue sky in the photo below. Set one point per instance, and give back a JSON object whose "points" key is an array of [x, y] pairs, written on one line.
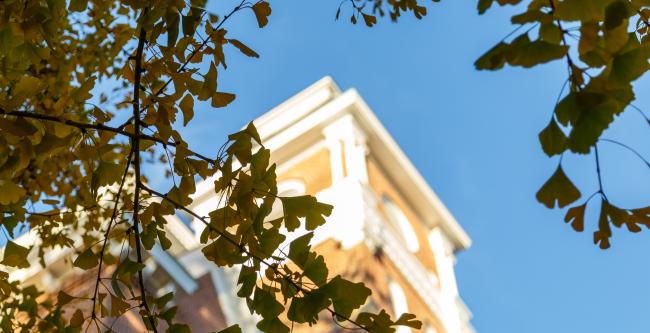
{"points": [[473, 135]]}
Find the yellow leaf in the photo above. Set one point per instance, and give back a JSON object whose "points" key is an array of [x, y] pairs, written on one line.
{"points": [[27, 86], [118, 306], [369, 19], [243, 48], [10, 193], [187, 106], [221, 99], [262, 11]]}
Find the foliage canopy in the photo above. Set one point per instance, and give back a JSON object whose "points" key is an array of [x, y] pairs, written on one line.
{"points": [[71, 163]]}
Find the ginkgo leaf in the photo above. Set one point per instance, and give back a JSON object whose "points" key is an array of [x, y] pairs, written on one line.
{"points": [[78, 5], [346, 296], [581, 10], [179, 328], [243, 48], [272, 325], [265, 304], [86, 260], [553, 140], [526, 53], [576, 216], [82, 93], [615, 14], [408, 320], [106, 173], [19, 127], [232, 329], [10, 193], [306, 309], [63, 298], [558, 189], [370, 20], [27, 86], [77, 318], [262, 10], [118, 306], [221, 99], [209, 83], [15, 255], [493, 59], [187, 107], [304, 206]]}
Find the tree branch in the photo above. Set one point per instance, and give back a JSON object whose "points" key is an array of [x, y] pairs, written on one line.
{"points": [[135, 144], [275, 269]]}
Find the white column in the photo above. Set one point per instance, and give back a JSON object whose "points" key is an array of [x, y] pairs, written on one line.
{"points": [[443, 252], [345, 132]]}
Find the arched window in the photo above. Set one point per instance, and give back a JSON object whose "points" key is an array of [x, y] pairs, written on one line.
{"points": [[401, 222], [400, 305]]}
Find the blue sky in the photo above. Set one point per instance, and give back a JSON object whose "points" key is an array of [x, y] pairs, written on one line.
{"points": [[473, 136]]}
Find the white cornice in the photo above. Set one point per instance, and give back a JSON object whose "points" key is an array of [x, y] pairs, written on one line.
{"points": [[320, 105]]}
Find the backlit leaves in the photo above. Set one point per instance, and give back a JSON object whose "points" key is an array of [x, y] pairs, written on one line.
{"points": [[521, 52], [553, 139], [86, 260], [603, 54], [558, 190], [15, 255], [243, 48], [262, 10], [304, 206]]}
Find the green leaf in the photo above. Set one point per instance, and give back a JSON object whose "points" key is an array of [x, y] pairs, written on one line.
{"points": [[408, 320], [629, 66], [15, 255], [576, 216], [313, 265], [118, 306], [526, 53], [304, 206], [558, 189], [262, 11], [232, 329], [306, 309], [86, 260], [179, 328], [243, 48], [493, 59], [265, 304], [272, 325], [187, 107], [346, 296], [553, 140]]}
